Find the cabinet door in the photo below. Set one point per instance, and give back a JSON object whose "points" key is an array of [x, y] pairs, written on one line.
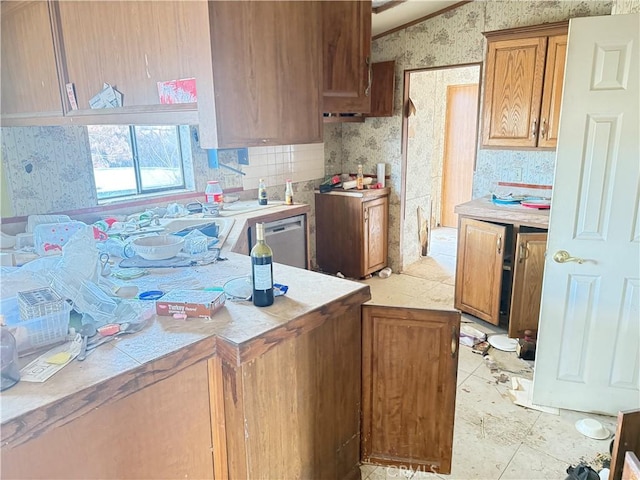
{"points": [[131, 45], [552, 91], [409, 370], [382, 89], [376, 214], [29, 75], [513, 90], [267, 60], [527, 283], [339, 234], [479, 268], [347, 50]]}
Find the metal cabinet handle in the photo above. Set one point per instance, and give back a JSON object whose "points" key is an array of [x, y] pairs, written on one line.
{"points": [[543, 128], [522, 254], [368, 89], [455, 339], [562, 256], [499, 244], [534, 128]]}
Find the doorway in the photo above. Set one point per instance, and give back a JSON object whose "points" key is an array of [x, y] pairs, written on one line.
{"points": [[439, 148]]}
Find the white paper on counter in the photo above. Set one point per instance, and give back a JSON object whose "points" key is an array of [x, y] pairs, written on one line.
{"points": [[39, 370]]}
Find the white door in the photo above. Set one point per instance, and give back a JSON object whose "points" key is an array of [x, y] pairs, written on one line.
{"points": [[589, 337]]}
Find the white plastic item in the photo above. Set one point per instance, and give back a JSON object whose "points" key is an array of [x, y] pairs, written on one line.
{"points": [[213, 192], [158, 247], [35, 220], [49, 238], [381, 170], [592, 428], [503, 342]]}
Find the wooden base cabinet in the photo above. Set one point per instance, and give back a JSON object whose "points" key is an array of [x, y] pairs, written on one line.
{"points": [[499, 273], [351, 231], [409, 371]]}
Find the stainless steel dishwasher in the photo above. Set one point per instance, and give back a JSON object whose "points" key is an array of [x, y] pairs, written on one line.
{"points": [[288, 240]]}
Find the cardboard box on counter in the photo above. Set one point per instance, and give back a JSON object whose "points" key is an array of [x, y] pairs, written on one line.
{"points": [[190, 303]]}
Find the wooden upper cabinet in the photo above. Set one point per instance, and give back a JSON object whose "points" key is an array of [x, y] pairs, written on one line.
{"points": [[347, 56], [29, 75], [267, 61], [552, 91], [382, 89], [481, 247], [409, 370], [130, 45], [523, 86]]}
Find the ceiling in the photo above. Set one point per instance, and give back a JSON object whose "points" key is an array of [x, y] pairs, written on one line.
{"points": [[397, 13]]}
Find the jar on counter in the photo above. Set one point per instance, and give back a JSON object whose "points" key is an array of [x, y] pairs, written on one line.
{"points": [[213, 192]]}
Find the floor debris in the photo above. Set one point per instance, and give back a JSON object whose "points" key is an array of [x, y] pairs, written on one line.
{"points": [[521, 393]]}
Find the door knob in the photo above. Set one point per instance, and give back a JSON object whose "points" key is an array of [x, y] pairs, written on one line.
{"points": [[562, 256]]}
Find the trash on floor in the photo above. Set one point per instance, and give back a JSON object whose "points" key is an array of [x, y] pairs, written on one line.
{"points": [[503, 342], [471, 336], [592, 428], [522, 394], [582, 471]]}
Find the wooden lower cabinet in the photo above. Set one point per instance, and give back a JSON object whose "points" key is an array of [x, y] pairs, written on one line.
{"points": [[161, 431], [293, 412], [479, 268], [352, 231], [499, 273], [409, 371], [528, 268]]}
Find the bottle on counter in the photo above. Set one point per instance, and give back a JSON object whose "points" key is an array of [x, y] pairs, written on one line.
{"points": [[262, 193], [288, 193], [213, 192], [262, 270], [10, 373], [359, 178]]}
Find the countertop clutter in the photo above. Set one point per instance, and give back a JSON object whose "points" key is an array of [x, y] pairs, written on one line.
{"points": [[237, 322]]}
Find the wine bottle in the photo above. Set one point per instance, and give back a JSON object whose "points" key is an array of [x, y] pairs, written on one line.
{"points": [[288, 193], [262, 193], [262, 270], [359, 178]]}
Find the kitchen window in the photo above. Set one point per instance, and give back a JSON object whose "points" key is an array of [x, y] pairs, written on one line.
{"points": [[133, 159]]}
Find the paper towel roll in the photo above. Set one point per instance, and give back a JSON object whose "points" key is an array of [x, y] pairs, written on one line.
{"points": [[381, 172]]}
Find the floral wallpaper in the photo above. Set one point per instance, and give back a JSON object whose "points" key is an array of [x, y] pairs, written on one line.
{"points": [[425, 148], [48, 169], [453, 38]]}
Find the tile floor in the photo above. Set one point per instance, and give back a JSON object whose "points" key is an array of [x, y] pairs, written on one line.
{"points": [[493, 438]]}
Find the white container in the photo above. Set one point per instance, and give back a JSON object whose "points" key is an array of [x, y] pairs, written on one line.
{"points": [[158, 247], [381, 171], [213, 192]]}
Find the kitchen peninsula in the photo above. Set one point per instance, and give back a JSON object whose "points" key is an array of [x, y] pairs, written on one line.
{"points": [[251, 393]]}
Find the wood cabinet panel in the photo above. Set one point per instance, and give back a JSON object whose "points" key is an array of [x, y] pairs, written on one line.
{"points": [[410, 359], [294, 412], [524, 76], [376, 214], [479, 268], [134, 438], [527, 283], [130, 45], [514, 75], [552, 91], [29, 74], [352, 232], [346, 27], [267, 60], [382, 89]]}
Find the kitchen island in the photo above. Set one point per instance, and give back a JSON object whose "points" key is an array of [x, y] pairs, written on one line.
{"points": [[251, 393]]}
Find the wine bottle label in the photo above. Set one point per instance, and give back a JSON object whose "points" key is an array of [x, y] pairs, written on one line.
{"points": [[262, 277]]}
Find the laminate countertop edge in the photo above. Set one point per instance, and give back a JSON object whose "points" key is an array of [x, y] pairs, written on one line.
{"points": [[484, 209]]}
